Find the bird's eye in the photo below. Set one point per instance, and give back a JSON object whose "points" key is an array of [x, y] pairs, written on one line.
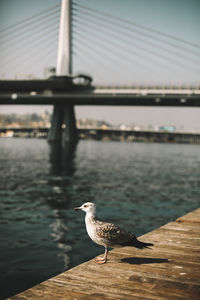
{"points": [[85, 206]]}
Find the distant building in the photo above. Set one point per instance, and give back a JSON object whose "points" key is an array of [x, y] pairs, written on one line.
{"points": [[167, 128], [124, 127], [9, 133], [137, 128], [49, 71]]}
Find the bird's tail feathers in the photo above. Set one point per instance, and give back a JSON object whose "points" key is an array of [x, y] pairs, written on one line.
{"points": [[141, 245]]}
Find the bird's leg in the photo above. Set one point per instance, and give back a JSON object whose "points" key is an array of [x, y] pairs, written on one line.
{"points": [[103, 260]]}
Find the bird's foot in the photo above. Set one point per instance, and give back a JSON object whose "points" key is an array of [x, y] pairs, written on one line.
{"points": [[100, 260]]}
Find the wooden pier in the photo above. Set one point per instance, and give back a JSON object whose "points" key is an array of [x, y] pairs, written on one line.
{"points": [[170, 270]]}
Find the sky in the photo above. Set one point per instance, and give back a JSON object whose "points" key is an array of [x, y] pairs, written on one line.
{"points": [[135, 46]]}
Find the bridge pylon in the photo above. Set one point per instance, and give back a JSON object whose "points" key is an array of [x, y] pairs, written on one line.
{"points": [[63, 124]]}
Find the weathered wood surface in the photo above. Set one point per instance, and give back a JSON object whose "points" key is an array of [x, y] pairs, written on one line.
{"points": [[170, 270]]}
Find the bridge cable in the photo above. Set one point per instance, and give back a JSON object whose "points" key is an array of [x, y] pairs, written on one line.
{"points": [[127, 63], [89, 29], [28, 31], [32, 47], [33, 62], [28, 40], [119, 34], [149, 61], [14, 26], [137, 25], [88, 63], [131, 29]]}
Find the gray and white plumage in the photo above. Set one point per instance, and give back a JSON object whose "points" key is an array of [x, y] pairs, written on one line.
{"points": [[107, 234]]}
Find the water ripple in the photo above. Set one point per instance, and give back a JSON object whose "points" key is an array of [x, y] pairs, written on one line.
{"points": [[139, 186]]}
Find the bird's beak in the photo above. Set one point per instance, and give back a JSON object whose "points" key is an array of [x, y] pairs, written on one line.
{"points": [[77, 208]]}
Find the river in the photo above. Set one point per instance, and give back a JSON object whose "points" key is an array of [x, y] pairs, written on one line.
{"points": [[139, 186]]}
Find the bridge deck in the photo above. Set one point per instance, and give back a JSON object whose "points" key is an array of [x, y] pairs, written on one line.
{"points": [[51, 92], [171, 270], [101, 99]]}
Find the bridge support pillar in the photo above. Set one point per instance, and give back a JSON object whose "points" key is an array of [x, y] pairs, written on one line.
{"points": [[63, 124], [55, 131], [69, 124]]}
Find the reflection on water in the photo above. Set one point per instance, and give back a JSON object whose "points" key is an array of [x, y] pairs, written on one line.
{"points": [[139, 186], [62, 158], [62, 168], [61, 164]]}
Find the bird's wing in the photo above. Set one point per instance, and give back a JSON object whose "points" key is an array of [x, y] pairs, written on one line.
{"points": [[113, 233]]}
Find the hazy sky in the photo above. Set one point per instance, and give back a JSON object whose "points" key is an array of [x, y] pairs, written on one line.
{"points": [[158, 42], [115, 53]]}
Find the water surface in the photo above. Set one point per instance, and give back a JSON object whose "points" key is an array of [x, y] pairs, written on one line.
{"points": [[137, 185]]}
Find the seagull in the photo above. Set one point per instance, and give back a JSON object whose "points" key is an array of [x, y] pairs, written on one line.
{"points": [[107, 234]]}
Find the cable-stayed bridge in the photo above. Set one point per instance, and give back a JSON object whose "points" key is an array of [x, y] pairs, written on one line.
{"points": [[130, 63], [101, 44], [113, 50]]}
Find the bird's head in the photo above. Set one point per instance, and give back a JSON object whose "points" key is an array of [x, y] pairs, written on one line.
{"points": [[88, 207]]}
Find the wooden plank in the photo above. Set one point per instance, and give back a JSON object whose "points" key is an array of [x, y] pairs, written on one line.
{"points": [[170, 270]]}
